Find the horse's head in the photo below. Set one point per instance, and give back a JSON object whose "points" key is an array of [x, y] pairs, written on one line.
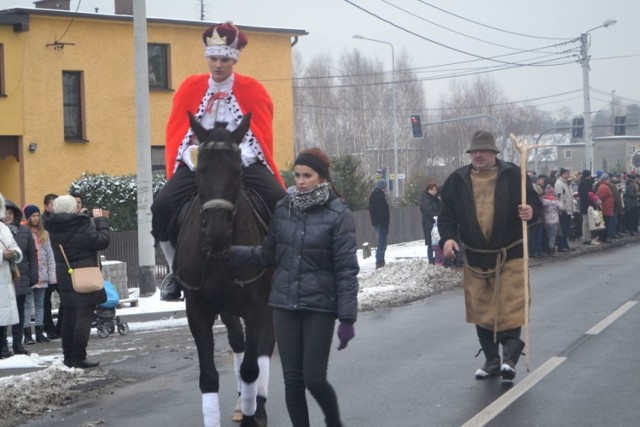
{"points": [[219, 180]]}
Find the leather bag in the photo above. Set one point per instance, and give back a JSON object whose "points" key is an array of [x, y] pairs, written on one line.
{"points": [[85, 279]]}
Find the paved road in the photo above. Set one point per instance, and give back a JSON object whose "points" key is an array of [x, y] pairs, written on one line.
{"points": [[413, 365]]}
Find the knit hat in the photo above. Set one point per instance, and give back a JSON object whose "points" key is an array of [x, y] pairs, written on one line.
{"points": [[224, 40], [599, 173], [483, 140], [548, 191], [64, 204], [381, 184], [563, 170], [30, 210], [604, 176], [586, 173], [314, 162]]}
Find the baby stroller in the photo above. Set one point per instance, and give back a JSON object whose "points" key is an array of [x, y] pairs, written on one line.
{"points": [[106, 320]]}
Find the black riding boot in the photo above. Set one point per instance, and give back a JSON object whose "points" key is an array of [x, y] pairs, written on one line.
{"points": [[511, 350], [491, 366], [28, 340], [40, 336], [4, 348], [171, 291]]}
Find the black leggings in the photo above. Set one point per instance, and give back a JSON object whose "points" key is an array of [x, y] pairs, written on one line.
{"points": [[304, 343], [182, 185], [76, 329]]}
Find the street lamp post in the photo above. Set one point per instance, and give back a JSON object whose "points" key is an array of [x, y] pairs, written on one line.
{"points": [[586, 115], [395, 118]]}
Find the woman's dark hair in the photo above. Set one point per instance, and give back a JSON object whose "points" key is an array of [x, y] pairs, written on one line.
{"points": [[432, 185]]}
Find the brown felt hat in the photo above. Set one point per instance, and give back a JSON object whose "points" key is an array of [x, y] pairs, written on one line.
{"points": [[483, 140]]}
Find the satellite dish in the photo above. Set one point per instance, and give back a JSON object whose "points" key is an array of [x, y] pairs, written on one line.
{"points": [[635, 160]]}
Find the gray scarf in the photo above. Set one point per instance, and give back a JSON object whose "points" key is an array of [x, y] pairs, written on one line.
{"points": [[302, 201]]}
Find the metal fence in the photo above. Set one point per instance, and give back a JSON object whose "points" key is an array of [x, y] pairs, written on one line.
{"points": [[405, 226]]}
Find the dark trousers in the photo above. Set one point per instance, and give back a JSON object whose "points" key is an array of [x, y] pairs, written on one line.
{"points": [[49, 326], [182, 186], [304, 342], [76, 328], [17, 331], [565, 226]]}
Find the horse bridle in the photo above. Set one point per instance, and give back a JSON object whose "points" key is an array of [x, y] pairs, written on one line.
{"points": [[219, 203]]}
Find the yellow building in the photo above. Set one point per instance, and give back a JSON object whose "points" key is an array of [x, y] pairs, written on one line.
{"points": [[67, 93]]}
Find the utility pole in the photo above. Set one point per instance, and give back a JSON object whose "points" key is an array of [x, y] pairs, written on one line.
{"points": [[613, 108], [146, 252], [586, 114]]}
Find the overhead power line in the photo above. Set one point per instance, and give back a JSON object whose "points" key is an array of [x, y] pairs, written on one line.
{"points": [[454, 31], [433, 41], [491, 27]]}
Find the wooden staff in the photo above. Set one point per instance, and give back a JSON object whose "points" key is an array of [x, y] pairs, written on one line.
{"points": [[522, 149]]}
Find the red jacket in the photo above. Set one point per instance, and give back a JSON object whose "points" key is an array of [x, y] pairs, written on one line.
{"points": [[252, 97], [605, 194]]}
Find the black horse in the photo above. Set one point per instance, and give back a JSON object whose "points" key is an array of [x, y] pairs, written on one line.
{"points": [[221, 215]]}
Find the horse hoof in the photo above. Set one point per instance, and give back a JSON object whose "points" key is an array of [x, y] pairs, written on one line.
{"points": [[237, 413]]}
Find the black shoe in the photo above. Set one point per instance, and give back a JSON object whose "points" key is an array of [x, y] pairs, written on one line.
{"points": [[85, 364], [4, 351], [171, 291], [52, 335], [40, 336], [28, 340], [19, 349]]}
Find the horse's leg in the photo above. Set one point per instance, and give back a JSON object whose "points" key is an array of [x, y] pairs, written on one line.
{"points": [[235, 334], [256, 365], [201, 325]]}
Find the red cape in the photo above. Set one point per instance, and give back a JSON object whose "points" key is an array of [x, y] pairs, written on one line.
{"points": [[252, 97]]}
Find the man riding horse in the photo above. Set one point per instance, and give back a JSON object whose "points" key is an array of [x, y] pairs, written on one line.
{"points": [[220, 96]]}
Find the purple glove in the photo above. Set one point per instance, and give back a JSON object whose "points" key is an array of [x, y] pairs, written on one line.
{"points": [[345, 334]]}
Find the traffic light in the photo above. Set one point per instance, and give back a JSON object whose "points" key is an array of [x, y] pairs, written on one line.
{"points": [[416, 125], [577, 127], [619, 128]]}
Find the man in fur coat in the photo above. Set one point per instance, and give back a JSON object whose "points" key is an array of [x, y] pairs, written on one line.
{"points": [[481, 206], [218, 96]]}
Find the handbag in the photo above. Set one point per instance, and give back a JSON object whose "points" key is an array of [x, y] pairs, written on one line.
{"points": [[595, 219], [85, 279], [13, 267]]}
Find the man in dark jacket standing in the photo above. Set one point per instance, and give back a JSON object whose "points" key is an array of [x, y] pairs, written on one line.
{"points": [[481, 205], [28, 269], [379, 213]]}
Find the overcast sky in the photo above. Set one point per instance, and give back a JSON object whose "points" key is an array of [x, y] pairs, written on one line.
{"points": [[332, 23]]}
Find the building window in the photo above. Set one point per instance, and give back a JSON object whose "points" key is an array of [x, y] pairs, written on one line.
{"points": [[632, 149], [157, 158], [72, 102], [2, 90], [158, 66], [567, 154]]}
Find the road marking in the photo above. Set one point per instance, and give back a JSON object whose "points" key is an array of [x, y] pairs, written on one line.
{"points": [[611, 318], [500, 404]]}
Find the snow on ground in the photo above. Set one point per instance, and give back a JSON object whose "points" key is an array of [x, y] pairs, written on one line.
{"points": [[406, 277]]}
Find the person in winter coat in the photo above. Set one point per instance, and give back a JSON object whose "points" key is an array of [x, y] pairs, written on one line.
{"points": [[379, 214], [11, 253], [584, 187], [52, 330], [312, 244], [46, 276], [565, 196], [481, 206], [631, 206], [81, 237], [552, 208], [604, 193], [429, 209], [28, 269]]}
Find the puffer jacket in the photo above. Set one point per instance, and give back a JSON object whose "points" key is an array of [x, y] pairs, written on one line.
{"points": [[429, 208], [46, 262], [29, 264], [315, 258], [81, 237]]}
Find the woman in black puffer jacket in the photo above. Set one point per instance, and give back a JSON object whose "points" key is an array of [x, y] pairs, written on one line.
{"points": [[312, 244], [81, 237], [28, 270]]}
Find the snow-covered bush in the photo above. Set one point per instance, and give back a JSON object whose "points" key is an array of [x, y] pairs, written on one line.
{"points": [[117, 194]]}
